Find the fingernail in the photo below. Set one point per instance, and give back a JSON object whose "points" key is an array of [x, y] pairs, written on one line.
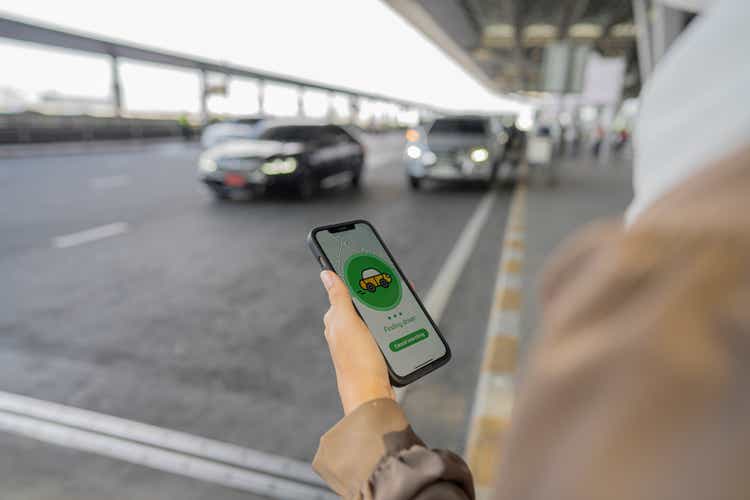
{"points": [[327, 279]]}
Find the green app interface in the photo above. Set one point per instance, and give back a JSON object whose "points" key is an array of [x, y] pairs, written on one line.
{"points": [[389, 308]]}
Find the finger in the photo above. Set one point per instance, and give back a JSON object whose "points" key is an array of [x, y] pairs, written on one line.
{"points": [[338, 293]]}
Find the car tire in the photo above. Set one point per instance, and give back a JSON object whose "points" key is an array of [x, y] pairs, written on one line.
{"points": [[493, 175], [415, 183], [384, 284], [356, 179], [370, 287]]}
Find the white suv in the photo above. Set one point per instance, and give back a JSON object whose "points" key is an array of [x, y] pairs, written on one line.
{"points": [[455, 148]]}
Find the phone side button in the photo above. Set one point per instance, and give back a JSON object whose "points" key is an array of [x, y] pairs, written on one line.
{"points": [[322, 262]]}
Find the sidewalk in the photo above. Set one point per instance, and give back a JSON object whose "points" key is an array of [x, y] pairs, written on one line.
{"points": [[585, 192], [541, 217]]}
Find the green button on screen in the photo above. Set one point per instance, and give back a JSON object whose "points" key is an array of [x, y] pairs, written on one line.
{"points": [[408, 340]]}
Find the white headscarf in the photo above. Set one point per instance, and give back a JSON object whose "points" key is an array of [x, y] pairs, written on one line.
{"points": [[695, 109]]}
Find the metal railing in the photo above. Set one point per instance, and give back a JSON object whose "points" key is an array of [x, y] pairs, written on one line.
{"points": [[16, 29]]}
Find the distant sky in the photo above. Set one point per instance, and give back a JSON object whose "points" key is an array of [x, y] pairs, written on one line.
{"points": [[360, 44]]}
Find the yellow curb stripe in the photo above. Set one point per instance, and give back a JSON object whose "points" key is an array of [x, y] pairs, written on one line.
{"points": [[501, 354], [515, 244], [512, 266], [483, 457], [490, 417], [509, 299]]}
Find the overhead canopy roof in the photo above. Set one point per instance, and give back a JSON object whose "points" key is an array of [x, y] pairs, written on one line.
{"points": [[501, 42]]}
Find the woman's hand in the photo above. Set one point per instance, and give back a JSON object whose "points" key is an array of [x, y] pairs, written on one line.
{"points": [[361, 372]]}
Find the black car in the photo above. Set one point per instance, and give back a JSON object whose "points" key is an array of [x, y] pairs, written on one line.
{"points": [[297, 155]]}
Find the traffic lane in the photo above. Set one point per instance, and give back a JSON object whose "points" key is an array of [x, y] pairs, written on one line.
{"points": [[164, 185], [47, 197], [439, 405], [207, 318]]}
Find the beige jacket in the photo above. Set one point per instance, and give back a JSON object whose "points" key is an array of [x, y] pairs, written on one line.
{"points": [[639, 387]]}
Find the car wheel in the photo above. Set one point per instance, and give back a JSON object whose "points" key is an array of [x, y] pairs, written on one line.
{"points": [[370, 287], [356, 178], [306, 187], [415, 182], [493, 174], [384, 284]]}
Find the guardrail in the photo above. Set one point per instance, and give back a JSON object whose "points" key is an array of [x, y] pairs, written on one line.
{"points": [[34, 128]]}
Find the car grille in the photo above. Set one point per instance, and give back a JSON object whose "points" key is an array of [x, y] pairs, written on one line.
{"points": [[451, 157], [239, 163]]}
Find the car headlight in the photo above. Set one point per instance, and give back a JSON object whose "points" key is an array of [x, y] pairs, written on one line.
{"points": [[414, 152], [479, 155], [207, 165], [279, 166]]}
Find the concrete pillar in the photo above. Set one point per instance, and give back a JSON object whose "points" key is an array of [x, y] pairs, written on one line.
{"points": [[606, 119], [353, 109], [261, 97], [667, 24], [204, 97], [116, 87], [301, 102], [643, 38], [331, 114]]}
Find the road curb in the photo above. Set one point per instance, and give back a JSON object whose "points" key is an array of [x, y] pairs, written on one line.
{"points": [[493, 400]]}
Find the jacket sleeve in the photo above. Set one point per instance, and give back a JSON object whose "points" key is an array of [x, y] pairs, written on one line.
{"points": [[373, 454]]}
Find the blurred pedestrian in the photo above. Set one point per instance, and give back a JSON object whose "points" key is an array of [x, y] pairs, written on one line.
{"points": [[185, 128], [639, 386]]}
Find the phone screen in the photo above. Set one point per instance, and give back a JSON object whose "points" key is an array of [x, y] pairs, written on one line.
{"points": [[388, 306]]}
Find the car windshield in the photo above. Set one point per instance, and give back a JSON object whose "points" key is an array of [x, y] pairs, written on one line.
{"points": [[461, 126], [290, 134]]}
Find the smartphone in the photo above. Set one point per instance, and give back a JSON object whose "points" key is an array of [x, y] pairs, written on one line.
{"points": [[403, 329]]}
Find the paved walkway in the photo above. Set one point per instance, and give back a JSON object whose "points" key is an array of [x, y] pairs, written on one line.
{"points": [[586, 191], [541, 216]]}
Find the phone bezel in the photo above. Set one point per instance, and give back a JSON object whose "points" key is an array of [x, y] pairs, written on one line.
{"points": [[322, 258]]}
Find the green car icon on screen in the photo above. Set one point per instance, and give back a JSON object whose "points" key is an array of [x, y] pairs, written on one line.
{"points": [[372, 279]]}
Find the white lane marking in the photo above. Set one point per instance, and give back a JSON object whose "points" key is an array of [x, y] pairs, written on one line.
{"points": [[442, 288], [159, 437], [161, 459], [89, 235], [110, 182]]}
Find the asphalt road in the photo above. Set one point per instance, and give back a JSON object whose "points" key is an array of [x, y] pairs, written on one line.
{"points": [[205, 317]]}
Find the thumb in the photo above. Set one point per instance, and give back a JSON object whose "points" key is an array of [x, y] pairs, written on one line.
{"points": [[338, 293]]}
